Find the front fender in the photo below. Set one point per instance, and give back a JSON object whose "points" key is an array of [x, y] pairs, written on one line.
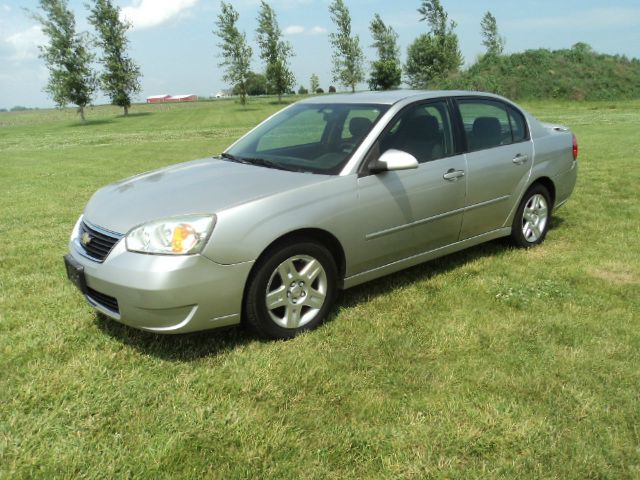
{"points": [[243, 232]]}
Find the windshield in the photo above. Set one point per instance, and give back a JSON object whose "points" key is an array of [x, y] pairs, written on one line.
{"points": [[317, 138]]}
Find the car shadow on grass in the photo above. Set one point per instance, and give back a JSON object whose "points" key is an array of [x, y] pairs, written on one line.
{"points": [[424, 271], [194, 346], [180, 348], [430, 269], [135, 114], [91, 123]]}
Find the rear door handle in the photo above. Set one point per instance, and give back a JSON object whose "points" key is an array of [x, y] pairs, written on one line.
{"points": [[452, 174], [520, 159]]}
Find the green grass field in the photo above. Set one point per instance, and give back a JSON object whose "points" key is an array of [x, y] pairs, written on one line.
{"points": [[490, 363]]}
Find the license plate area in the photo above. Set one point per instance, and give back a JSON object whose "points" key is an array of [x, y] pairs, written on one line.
{"points": [[75, 273]]}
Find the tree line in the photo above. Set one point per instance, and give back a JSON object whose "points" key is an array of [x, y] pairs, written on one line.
{"points": [[69, 57], [432, 56]]}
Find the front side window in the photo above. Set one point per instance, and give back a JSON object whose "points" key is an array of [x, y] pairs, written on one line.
{"points": [[486, 123], [317, 138], [423, 130]]}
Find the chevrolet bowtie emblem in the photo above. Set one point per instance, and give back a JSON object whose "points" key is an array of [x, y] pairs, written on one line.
{"points": [[85, 238]]}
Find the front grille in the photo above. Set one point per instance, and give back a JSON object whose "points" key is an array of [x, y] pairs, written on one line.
{"points": [[106, 301], [100, 242]]}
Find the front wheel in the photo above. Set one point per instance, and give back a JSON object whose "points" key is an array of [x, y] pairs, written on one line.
{"points": [[292, 290], [532, 219]]}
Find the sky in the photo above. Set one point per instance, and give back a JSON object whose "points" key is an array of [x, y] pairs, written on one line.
{"points": [[173, 43]]}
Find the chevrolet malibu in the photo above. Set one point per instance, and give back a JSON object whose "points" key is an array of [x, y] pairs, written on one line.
{"points": [[326, 194]]}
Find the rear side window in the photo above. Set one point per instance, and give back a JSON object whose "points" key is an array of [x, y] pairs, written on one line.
{"points": [[518, 125], [486, 123]]}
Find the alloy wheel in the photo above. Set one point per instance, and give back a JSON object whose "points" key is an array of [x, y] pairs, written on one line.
{"points": [[296, 291], [534, 218]]}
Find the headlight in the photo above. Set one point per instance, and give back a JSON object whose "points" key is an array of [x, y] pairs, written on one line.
{"points": [[172, 236], [75, 233]]}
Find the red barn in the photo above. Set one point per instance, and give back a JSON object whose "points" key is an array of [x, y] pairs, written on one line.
{"points": [[158, 98], [182, 98]]}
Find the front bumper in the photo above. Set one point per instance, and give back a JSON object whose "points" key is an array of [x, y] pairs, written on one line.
{"points": [[164, 293]]}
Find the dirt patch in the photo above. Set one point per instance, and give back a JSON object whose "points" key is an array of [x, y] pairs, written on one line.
{"points": [[615, 273]]}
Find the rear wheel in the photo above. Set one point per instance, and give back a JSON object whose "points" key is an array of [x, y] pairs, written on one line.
{"points": [[532, 219], [292, 290]]}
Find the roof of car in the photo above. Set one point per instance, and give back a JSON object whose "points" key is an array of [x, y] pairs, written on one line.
{"points": [[388, 97]]}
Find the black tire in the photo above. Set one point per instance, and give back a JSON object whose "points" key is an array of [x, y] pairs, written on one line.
{"points": [[279, 322], [531, 205]]}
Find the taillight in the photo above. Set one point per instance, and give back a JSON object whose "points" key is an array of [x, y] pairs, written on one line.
{"points": [[575, 147]]}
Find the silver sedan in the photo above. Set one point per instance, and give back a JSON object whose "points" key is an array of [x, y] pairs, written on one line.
{"points": [[326, 194]]}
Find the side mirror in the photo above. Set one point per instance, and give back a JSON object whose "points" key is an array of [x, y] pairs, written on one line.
{"points": [[393, 160]]}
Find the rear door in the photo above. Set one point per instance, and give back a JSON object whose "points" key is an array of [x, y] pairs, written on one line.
{"points": [[498, 163]]}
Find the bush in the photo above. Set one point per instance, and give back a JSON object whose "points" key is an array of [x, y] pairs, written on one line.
{"points": [[303, 91], [319, 90], [332, 89], [577, 73]]}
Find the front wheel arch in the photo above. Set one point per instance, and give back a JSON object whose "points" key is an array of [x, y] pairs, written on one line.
{"points": [[323, 237], [260, 316]]}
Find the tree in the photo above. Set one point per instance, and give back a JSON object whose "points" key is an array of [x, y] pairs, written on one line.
{"points": [[71, 79], [236, 54], [274, 51], [121, 77], [491, 38], [315, 83], [348, 57], [385, 75], [302, 90], [386, 72], [256, 84], [436, 54]]}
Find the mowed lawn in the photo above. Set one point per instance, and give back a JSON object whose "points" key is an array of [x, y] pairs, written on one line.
{"points": [[490, 363]]}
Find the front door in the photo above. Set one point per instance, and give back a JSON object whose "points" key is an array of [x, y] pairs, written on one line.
{"points": [[408, 212]]}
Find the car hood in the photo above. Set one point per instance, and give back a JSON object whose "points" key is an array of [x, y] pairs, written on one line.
{"points": [[201, 186]]}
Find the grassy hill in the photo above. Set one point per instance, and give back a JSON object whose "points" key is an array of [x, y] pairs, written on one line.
{"points": [[490, 363], [577, 73]]}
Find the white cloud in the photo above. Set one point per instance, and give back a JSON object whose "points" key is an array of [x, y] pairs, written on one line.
{"points": [[24, 45], [300, 30], [294, 30], [317, 30], [150, 13]]}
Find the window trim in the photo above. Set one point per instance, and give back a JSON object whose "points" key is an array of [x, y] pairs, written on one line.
{"points": [[374, 150], [505, 105], [527, 133]]}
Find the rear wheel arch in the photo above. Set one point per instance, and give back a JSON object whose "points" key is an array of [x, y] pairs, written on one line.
{"points": [[547, 183], [532, 217]]}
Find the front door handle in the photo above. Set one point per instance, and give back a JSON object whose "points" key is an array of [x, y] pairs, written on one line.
{"points": [[520, 159], [452, 174]]}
